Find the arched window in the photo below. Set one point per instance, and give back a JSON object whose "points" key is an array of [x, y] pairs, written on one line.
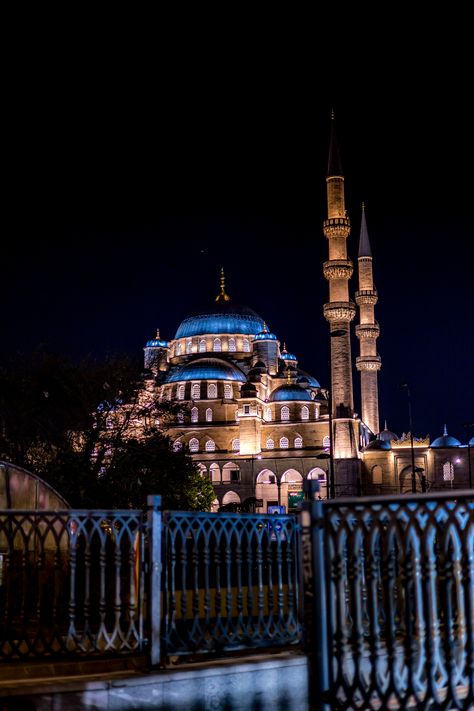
{"points": [[232, 347], [189, 346], [178, 349], [202, 469], [228, 391], [236, 445], [180, 392], [317, 473], [377, 475], [268, 414], [305, 413], [215, 473], [316, 412], [270, 443], [231, 498], [266, 477], [177, 446], [298, 442], [202, 346], [230, 472], [209, 415], [193, 445], [285, 413], [246, 345], [180, 417], [194, 414], [326, 442], [217, 345], [210, 445], [284, 443], [448, 471], [212, 391], [196, 391]]}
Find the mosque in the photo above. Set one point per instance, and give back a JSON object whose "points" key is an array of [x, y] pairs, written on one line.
{"points": [[258, 425]]}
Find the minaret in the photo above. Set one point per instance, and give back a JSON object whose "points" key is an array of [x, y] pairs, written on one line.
{"points": [[340, 310], [368, 362]]}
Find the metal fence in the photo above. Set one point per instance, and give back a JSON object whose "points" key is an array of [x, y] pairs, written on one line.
{"points": [[396, 579]]}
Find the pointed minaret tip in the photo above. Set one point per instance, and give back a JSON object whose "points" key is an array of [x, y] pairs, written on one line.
{"points": [[334, 161], [385, 428], [222, 296], [364, 244], [445, 432]]}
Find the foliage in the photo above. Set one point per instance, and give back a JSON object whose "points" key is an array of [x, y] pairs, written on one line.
{"points": [[89, 429]]}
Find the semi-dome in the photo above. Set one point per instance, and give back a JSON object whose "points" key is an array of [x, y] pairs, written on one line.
{"points": [[206, 369], [378, 445], [222, 317], [446, 440], [289, 391]]}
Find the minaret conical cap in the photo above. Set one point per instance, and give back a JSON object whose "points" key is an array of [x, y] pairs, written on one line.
{"points": [[222, 296], [334, 162], [364, 244]]}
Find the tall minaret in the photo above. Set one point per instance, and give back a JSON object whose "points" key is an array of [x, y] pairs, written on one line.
{"points": [[368, 363], [340, 310]]}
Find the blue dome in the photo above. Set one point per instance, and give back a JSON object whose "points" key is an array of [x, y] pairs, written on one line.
{"points": [[387, 435], [378, 445], [471, 442], [265, 336], [287, 356], [222, 317], [446, 440], [289, 392], [306, 377], [157, 343], [206, 369]]}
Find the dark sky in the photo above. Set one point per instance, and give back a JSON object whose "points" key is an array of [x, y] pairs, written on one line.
{"points": [[133, 179]]}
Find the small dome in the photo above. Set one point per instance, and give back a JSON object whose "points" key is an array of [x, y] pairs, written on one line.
{"points": [[222, 317], [307, 378], [206, 369], [289, 391], [446, 440], [386, 435], [378, 445], [157, 343], [471, 442], [288, 356]]}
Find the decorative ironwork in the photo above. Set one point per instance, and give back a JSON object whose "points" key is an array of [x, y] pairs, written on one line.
{"points": [[230, 582], [71, 582], [399, 596]]}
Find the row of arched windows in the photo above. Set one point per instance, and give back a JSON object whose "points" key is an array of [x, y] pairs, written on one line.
{"points": [[216, 346], [285, 413], [211, 391], [285, 443]]}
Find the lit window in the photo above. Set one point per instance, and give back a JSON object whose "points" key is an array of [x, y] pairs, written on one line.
{"points": [[178, 349], [305, 413], [236, 445], [316, 412], [326, 442], [217, 345], [298, 442], [228, 391], [268, 414], [177, 446], [246, 409], [181, 392], [202, 346], [246, 345], [193, 445], [189, 346], [212, 391], [232, 346], [194, 414], [284, 443], [208, 415], [270, 443], [377, 475], [210, 445], [215, 472], [180, 417], [196, 391], [448, 471], [285, 413]]}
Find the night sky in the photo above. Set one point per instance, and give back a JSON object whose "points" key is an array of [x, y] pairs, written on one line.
{"points": [[131, 183]]}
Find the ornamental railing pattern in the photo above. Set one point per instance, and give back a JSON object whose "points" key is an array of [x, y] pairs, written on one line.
{"points": [[396, 579], [230, 582]]}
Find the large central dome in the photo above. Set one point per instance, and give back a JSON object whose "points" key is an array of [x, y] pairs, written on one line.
{"points": [[221, 317]]}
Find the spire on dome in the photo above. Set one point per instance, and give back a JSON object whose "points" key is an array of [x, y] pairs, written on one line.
{"points": [[445, 432], [334, 162], [222, 296], [364, 244]]}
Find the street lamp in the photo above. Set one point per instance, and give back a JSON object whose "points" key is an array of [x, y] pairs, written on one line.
{"points": [[410, 424]]}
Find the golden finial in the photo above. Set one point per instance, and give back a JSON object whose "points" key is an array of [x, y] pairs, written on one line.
{"points": [[265, 329], [288, 377], [284, 348], [222, 296], [157, 334]]}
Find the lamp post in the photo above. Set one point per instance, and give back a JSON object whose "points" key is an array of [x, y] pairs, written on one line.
{"points": [[410, 424]]}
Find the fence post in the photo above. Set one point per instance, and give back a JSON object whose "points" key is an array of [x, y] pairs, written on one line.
{"points": [[154, 572], [315, 602]]}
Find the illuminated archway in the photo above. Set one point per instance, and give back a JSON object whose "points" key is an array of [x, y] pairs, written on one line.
{"points": [[291, 489], [266, 489]]}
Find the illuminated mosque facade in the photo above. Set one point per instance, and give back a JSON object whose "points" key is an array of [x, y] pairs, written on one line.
{"points": [[258, 425]]}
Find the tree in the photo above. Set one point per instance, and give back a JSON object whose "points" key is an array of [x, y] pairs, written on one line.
{"points": [[83, 426]]}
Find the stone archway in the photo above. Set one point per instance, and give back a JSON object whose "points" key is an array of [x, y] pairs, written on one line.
{"points": [[321, 476], [406, 481], [291, 489], [266, 489]]}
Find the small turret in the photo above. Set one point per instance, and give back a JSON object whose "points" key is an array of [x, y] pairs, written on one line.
{"points": [[156, 353]]}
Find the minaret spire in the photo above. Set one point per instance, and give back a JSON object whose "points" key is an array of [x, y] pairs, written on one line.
{"points": [[340, 310], [222, 296], [368, 363]]}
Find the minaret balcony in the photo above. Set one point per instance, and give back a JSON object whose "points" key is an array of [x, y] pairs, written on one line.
{"points": [[368, 363], [339, 311], [338, 269], [367, 330], [366, 297], [337, 227]]}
